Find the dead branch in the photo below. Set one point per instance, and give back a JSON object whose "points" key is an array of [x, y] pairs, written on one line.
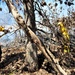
{"points": [[9, 32]]}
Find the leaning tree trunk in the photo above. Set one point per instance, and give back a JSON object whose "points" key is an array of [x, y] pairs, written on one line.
{"points": [[31, 50]]}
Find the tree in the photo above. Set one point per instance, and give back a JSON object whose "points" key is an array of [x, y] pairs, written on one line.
{"points": [[33, 38], [29, 27], [31, 49], [29, 20]]}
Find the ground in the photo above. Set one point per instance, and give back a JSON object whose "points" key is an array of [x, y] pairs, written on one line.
{"points": [[13, 62]]}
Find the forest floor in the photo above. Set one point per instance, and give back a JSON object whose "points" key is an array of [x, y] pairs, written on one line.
{"points": [[13, 63]]}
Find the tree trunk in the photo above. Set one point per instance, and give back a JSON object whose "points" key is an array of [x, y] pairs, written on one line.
{"points": [[31, 56], [29, 14], [31, 50]]}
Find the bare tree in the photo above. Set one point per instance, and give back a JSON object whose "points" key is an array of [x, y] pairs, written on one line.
{"points": [[35, 40], [29, 27]]}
